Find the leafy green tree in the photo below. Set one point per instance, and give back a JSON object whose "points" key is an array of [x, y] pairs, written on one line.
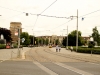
{"points": [[6, 33], [47, 41], [26, 36], [57, 41], [31, 37], [44, 41], [64, 41], [96, 35], [72, 39]]}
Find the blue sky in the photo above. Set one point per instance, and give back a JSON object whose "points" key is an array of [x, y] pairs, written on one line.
{"points": [[13, 10]]}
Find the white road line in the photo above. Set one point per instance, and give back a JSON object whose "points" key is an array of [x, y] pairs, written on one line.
{"points": [[45, 69], [93, 63], [2, 61], [23, 55], [73, 69]]}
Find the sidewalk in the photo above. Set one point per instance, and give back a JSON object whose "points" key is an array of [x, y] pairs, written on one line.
{"points": [[87, 57], [6, 54]]}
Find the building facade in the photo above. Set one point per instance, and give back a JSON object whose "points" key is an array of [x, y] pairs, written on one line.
{"points": [[15, 28], [52, 39]]}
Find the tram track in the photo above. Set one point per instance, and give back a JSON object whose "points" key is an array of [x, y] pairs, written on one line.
{"points": [[73, 57], [49, 56]]}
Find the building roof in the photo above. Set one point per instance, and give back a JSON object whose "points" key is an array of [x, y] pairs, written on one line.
{"points": [[15, 23]]}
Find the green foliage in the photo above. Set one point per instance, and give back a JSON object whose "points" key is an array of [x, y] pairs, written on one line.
{"points": [[6, 33], [88, 50], [26, 36], [72, 39], [96, 35], [15, 45], [57, 41], [47, 41], [91, 44], [31, 37], [2, 46]]}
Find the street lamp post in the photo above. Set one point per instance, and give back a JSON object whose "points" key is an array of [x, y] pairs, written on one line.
{"points": [[19, 51], [33, 39], [67, 37], [77, 31], [18, 34]]}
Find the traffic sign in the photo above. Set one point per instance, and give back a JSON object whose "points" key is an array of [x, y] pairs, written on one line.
{"points": [[23, 39]]}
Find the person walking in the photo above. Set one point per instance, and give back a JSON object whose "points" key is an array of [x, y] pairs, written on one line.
{"points": [[57, 48], [71, 48]]}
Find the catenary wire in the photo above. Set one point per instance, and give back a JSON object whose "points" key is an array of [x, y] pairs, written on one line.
{"points": [[48, 7]]}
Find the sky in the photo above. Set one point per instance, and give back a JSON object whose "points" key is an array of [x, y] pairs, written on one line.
{"points": [[14, 11]]}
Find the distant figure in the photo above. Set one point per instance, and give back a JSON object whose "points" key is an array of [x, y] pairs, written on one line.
{"points": [[71, 48], [21, 47], [57, 48], [12, 46]]}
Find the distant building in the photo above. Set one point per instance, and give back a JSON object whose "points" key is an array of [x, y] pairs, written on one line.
{"points": [[14, 28], [87, 39], [52, 39]]}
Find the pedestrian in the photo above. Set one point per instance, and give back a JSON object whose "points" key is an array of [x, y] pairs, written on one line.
{"points": [[57, 48], [71, 48]]}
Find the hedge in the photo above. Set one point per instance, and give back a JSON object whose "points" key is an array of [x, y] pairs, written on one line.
{"points": [[2, 46], [88, 50]]}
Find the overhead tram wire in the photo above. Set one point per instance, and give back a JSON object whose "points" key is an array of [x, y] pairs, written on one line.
{"points": [[48, 7], [33, 14], [74, 18], [48, 15], [61, 24], [90, 13], [36, 21], [52, 16], [41, 13]]}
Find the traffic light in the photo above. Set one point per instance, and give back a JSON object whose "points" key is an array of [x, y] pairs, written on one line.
{"points": [[26, 14], [82, 18]]}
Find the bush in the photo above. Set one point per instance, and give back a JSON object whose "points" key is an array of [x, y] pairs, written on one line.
{"points": [[91, 44], [2, 46], [88, 50], [15, 46]]}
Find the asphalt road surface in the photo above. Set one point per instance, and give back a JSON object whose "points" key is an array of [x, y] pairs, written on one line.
{"points": [[43, 61]]}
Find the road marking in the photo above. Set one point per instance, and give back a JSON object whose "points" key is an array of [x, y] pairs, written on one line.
{"points": [[73, 69], [94, 63], [23, 55], [45, 69], [2, 61]]}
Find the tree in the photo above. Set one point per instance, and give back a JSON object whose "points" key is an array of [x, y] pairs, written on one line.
{"points": [[96, 35], [47, 41], [44, 41], [6, 33], [31, 37], [57, 41], [26, 36], [72, 39]]}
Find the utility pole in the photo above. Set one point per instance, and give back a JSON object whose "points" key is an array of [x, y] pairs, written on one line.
{"points": [[76, 30], [33, 39], [38, 41], [77, 33], [19, 52], [67, 37]]}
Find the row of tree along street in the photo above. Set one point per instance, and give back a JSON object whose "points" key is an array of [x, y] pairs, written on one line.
{"points": [[41, 41]]}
